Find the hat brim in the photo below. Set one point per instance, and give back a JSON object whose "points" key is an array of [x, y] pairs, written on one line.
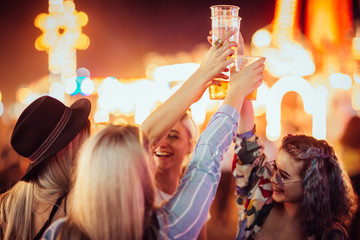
{"points": [[79, 115]]}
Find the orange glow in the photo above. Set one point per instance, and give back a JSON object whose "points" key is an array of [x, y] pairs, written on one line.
{"points": [[356, 96], [61, 27], [283, 25], [328, 22]]}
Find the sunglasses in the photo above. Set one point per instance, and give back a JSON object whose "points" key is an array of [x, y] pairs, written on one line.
{"points": [[274, 172]]}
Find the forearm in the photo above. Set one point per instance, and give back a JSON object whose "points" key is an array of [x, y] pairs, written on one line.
{"points": [[187, 210], [174, 107], [247, 117], [235, 99]]}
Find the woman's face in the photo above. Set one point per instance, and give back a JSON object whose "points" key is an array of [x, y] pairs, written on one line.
{"points": [[173, 148], [287, 185]]}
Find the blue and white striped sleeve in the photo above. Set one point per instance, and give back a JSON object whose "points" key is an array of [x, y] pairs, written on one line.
{"points": [[183, 216]]}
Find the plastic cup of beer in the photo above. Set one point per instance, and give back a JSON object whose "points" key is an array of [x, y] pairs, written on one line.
{"points": [[218, 92], [221, 25], [223, 10], [243, 61]]}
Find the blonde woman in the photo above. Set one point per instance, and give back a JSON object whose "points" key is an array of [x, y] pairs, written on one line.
{"points": [[49, 134], [114, 189], [172, 157]]}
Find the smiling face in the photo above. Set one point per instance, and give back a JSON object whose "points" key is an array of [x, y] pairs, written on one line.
{"points": [[288, 169], [173, 149]]}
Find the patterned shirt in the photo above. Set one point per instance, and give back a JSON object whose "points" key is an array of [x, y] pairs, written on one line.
{"points": [[253, 186], [184, 215]]}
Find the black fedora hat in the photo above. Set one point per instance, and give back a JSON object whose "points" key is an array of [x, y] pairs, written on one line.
{"points": [[45, 127]]}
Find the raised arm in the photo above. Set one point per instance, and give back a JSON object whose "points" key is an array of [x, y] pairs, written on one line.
{"points": [[214, 62], [242, 83], [253, 187], [186, 211]]}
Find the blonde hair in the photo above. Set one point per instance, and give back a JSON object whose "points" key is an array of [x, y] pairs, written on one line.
{"points": [[190, 127], [193, 133], [19, 205], [113, 195]]}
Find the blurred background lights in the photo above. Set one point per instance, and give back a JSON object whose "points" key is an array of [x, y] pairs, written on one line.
{"points": [[276, 94], [176, 72], [261, 99], [289, 59], [340, 80], [319, 112], [287, 62], [356, 96], [101, 116], [61, 36], [57, 90], [70, 85], [82, 85], [22, 94], [1, 109], [83, 72], [261, 38], [1, 105], [87, 87]]}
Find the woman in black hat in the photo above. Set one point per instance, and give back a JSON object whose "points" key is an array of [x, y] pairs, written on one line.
{"points": [[49, 134], [115, 173]]}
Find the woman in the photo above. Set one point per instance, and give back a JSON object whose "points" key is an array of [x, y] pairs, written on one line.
{"points": [[303, 194], [171, 157], [49, 134], [116, 172]]}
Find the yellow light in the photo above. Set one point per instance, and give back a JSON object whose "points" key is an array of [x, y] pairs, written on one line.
{"points": [[61, 37], [356, 47], [284, 21], [277, 92], [22, 93], [273, 131], [101, 116], [261, 38], [82, 42], [355, 100], [0, 96], [149, 71]]}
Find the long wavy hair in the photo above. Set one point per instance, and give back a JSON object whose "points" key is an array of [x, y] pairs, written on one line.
{"points": [[329, 197], [113, 194], [20, 204]]}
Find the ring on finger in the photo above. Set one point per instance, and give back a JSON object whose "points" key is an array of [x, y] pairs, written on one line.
{"points": [[218, 43]]}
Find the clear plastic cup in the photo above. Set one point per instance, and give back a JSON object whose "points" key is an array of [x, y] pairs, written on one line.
{"points": [[221, 25], [218, 92], [224, 10], [243, 61]]}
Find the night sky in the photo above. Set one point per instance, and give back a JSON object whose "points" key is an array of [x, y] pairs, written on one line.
{"points": [[121, 33]]}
